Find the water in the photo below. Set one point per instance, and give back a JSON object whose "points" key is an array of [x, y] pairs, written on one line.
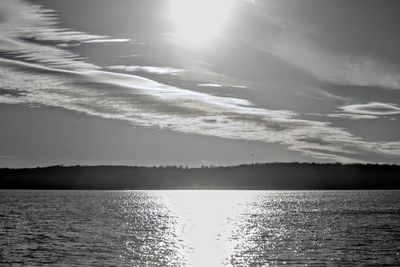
{"points": [[200, 228]]}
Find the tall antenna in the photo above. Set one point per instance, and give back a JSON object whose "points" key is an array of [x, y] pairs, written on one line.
{"points": [[252, 158]]}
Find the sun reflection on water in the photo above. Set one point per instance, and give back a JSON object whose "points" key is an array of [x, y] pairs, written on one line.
{"points": [[207, 220], [200, 228]]}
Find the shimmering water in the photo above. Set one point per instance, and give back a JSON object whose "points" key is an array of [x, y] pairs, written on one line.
{"points": [[200, 228]]}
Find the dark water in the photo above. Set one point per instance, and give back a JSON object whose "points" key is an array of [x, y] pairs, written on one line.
{"points": [[200, 228]]}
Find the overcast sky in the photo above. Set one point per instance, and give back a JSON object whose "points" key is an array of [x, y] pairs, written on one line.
{"points": [[190, 82]]}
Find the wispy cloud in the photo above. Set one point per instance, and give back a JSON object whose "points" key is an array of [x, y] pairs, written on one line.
{"points": [[48, 75], [333, 67], [72, 42], [7, 99], [218, 85], [349, 116], [148, 69], [24, 28], [147, 103], [107, 40], [372, 108], [292, 38]]}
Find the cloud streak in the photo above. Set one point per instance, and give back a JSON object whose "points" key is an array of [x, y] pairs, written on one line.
{"points": [[346, 116], [148, 69], [372, 108], [144, 102], [25, 27], [217, 85], [297, 41], [48, 75], [333, 67]]}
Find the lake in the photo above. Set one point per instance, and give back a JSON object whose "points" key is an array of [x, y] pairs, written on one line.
{"points": [[200, 228]]}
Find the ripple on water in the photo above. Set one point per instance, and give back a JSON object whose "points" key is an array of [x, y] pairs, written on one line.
{"points": [[200, 228]]}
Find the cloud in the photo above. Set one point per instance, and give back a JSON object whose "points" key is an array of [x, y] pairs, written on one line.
{"points": [[148, 69], [296, 39], [352, 116], [5, 99], [48, 75], [346, 116], [71, 42], [333, 67], [372, 108], [107, 40], [25, 27], [66, 45], [144, 102], [217, 85]]}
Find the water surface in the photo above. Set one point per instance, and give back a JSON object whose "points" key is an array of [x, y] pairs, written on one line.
{"points": [[200, 228]]}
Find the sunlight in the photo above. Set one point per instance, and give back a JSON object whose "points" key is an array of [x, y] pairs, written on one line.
{"points": [[198, 21], [208, 220]]}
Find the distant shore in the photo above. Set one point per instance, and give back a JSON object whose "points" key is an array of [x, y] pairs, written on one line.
{"points": [[268, 176]]}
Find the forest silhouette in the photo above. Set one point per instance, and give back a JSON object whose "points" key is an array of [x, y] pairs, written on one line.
{"points": [[268, 176]]}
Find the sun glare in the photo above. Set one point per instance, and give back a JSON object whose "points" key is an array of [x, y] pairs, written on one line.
{"points": [[198, 21]]}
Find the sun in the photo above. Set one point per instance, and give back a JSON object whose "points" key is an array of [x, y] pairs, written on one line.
{"points": [[196, 22]]}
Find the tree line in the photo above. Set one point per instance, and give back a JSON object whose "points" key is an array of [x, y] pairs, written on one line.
{"points": [[268, 176]]}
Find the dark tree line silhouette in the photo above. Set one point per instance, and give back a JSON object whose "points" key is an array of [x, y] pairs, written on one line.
{"points": [[288, 176]]}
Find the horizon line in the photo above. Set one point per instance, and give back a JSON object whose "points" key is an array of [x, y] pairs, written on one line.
{"points": [[204, 166]]}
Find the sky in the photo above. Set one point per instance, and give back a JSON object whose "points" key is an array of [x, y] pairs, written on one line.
{"points": [[189, 82]]}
